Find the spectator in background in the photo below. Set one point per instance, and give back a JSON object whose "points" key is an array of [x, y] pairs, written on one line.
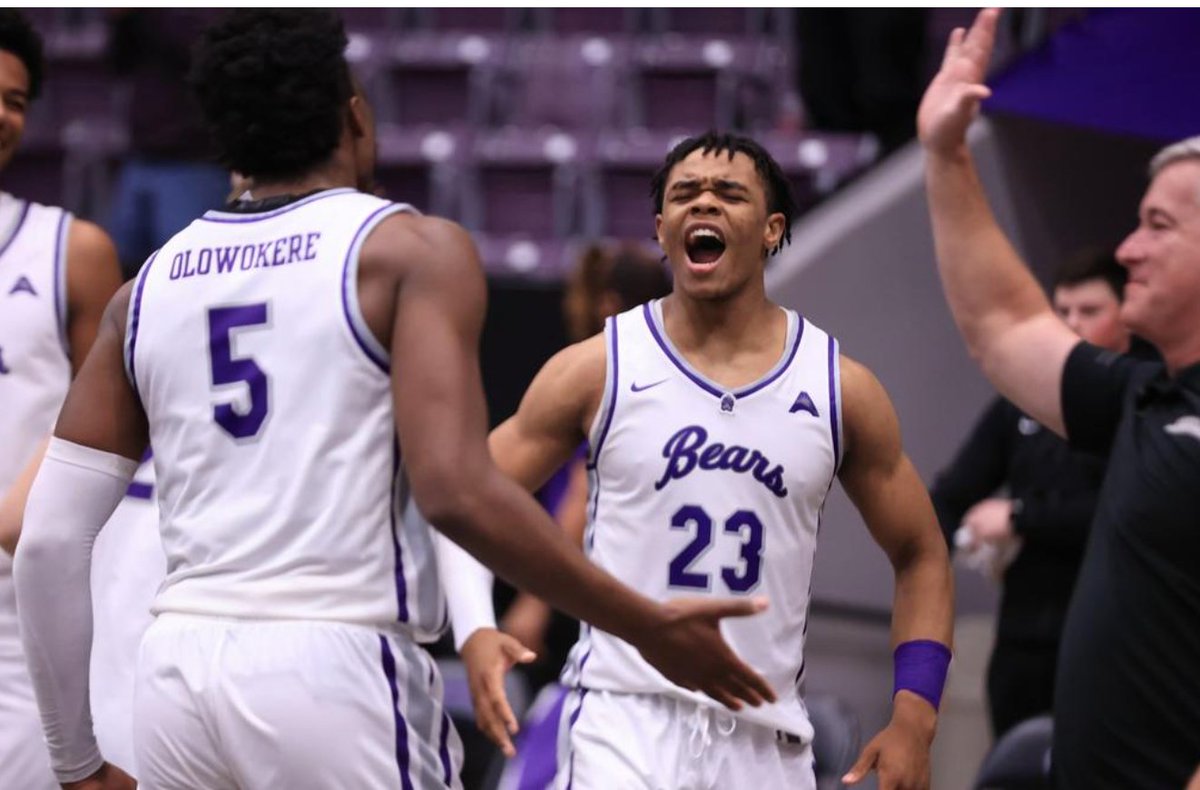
{"points": [[169, 178], [1045, 514]]}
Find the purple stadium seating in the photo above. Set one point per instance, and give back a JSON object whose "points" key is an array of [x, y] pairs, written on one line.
{"points": [[570, 82], [526, 181]]}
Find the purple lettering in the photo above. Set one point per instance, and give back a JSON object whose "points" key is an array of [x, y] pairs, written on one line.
{"points": [[225, 258], [711, 456], [310, 251], [680, 452], [277, 257], [294, 245], [176, 266], [204, 261], [247, 257], [261, 260]]}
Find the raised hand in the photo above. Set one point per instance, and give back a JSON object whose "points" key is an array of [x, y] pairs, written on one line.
{"points": [[689, 650], [952, 99], [108, 777], [488, 655]]}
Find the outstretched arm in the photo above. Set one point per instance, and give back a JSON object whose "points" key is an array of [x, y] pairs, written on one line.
{"points": [[887, 491], [442, 421], [100, 435], [999, 307]]}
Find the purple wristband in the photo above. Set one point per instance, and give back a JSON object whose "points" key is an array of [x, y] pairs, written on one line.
{"points": [[920, 667]]}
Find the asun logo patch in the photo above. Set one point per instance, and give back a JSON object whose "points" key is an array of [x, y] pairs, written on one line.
{"points": [[1185, 426]]}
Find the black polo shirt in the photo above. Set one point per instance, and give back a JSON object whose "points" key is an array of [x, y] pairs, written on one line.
{"points": [[1127, 700]]}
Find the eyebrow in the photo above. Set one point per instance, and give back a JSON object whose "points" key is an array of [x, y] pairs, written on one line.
{"points": [[1154, 212], [722, 184]]}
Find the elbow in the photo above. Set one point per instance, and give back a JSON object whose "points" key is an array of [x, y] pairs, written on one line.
{"points": [[447, 497]]}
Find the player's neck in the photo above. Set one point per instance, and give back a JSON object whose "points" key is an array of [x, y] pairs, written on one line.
{"points": [[328, 176], [744, 320]]}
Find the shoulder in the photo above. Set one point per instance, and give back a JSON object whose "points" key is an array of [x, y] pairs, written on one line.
{"points": [[870, 420], [92, 266], [569, 388], [404, 240]]}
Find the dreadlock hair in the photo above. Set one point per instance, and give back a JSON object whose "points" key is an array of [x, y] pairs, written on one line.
{"points": [[19, 38], [1092, 264], [780, 199], [273, 85]]}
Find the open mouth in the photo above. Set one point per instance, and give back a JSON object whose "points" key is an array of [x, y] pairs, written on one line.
{"points": [[704, 244]]}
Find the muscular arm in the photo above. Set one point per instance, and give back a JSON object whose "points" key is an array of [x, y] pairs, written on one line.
{"points": [[93, 276], [76, 490], [1000, 309], [884, 486]]}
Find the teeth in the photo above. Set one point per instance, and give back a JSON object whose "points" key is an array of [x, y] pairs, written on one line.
{"points": [[698, 232]]}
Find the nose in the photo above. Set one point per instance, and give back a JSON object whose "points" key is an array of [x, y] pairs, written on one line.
{"points": [[1072, 320], [1130, 251]]}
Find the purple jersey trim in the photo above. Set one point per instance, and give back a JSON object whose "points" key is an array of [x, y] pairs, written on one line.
{"points": [[612, 394], [835, 428], [401, 585], [778, 370], [358, 327], [135, 314], [16, 227], [389, 670], [228, 217], [444, 750], [60, 280], [138, 490], [570, 726]]}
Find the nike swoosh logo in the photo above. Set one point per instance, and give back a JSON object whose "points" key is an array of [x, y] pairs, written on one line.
{"points": [[633, 387]]}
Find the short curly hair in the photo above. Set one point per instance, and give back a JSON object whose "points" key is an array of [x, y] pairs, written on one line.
{"points": [[18, 37], [273, 84], [780, 197]]}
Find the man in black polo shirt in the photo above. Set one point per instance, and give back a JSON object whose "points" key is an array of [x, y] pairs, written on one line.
{"points": [[1127, 699]]}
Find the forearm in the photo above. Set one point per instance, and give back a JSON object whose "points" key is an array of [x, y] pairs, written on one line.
{"points": [[987, 285], [504, 528], [468, 586], [923, 607], [75, 492]]}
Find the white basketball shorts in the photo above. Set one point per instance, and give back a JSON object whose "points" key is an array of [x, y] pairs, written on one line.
{"points": [[613, 741], [278, 704]]}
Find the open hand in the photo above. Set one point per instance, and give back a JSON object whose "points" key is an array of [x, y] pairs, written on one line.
{"points": [[488, 655], [108, 777], [689, 650], [952, 99]]}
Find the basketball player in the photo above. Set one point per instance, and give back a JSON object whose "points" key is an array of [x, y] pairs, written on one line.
{"points": [[271, 353], [717, 422], [56, 275]]}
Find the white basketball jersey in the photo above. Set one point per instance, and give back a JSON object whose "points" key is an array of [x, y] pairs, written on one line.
{"points": [[35, 369], [701, 491], [281, 488]]}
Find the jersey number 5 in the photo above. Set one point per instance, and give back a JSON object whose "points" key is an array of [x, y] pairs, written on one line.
{"points": [[227, 369], [744, 524]]}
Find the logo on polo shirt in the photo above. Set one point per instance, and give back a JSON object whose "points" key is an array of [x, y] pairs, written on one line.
{"points": [[1185, 426]]}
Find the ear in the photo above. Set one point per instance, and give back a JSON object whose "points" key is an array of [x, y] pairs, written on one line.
{"points": [[658, 223], [356, 116], [773, 233]]}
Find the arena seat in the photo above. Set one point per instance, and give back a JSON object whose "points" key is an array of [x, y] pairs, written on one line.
{"points": [[836, 738], [1020, 760]]}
